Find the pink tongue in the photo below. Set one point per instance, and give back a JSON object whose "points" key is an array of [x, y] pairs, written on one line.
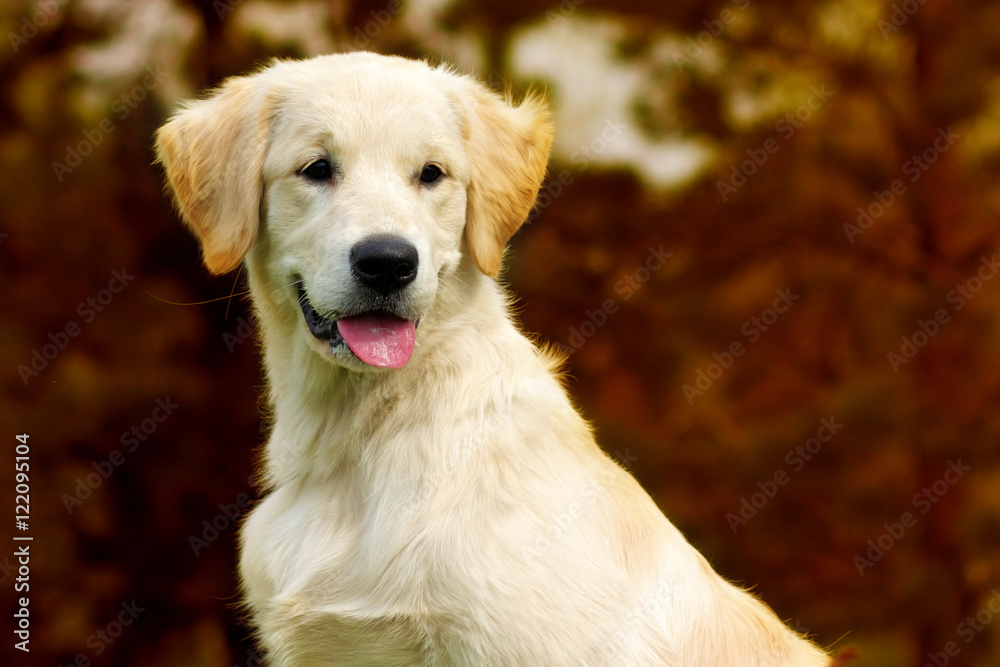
{"points": [[379, 340]]}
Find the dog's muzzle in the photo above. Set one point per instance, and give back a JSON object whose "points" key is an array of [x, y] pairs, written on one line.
{"points": [[377, 338], [320, 327]]}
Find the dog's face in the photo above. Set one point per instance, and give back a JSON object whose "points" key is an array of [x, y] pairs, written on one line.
{"points": [[365, 197], [358, 181]]}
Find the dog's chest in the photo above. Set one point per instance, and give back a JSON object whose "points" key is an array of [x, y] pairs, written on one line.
{"points": [[314, 565], [317, 543]]}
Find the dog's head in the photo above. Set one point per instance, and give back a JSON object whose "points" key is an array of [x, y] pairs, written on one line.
{"points": [[356, 183]]}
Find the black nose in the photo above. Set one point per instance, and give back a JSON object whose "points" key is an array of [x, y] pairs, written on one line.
{"points": [[384, 263]]}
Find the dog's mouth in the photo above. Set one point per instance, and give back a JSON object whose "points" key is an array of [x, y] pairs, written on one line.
{"points": [[377, 338]]}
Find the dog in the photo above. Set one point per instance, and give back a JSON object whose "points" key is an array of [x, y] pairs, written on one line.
{"points": [[432, 495]]}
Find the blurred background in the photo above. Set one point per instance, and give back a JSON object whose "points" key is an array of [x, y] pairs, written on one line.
{"points": [[767, 243]]}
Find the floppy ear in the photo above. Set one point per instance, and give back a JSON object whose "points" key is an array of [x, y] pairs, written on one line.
{"points": [[213, 153], [508, 149]]}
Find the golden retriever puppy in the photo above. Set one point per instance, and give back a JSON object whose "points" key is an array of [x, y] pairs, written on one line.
{"points": [[433, 496]]}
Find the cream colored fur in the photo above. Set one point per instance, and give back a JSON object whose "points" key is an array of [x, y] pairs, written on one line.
{"points": [[457, 511]]}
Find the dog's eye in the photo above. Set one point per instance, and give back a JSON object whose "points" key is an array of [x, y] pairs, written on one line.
{"points": [[431, 174], [319, 170]]}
